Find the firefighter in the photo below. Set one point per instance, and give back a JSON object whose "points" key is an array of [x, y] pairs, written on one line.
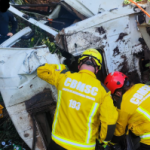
{"points": [[133, 103], [83, 104]]}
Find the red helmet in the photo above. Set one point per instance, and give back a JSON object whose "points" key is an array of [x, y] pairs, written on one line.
{"points": [[115, 80]]}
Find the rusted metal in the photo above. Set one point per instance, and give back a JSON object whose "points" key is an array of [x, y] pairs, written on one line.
{"points": [[37, 106], [61, 41], [40, 102], [73, 11], [38, 8]]}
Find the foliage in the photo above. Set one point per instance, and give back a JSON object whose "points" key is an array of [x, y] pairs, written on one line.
{"points": [[128, 2], [147, 65], [148, 70], [50, 45], [19, 2], [40, 36], [8, 134], [7, 129]]}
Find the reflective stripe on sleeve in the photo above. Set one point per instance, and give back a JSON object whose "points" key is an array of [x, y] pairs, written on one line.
{"points": [[145, 136], [73, 143], [59, 67], [90, 118], [144, 112], [57, 111]]}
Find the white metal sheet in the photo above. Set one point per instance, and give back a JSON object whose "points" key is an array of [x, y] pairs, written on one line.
{"points": [[112, 32], [117, 26], [33, 21], [89, 8], [19, 82], [98, 19], [85, 39], [135, 33], [79, 7], [12, 40]]}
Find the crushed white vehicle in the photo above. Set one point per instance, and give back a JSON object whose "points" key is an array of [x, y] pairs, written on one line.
{"points": [[120, 33]]}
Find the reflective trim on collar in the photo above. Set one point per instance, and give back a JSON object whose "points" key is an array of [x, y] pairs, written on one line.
{"points": [[72, 143], [90, 118]]}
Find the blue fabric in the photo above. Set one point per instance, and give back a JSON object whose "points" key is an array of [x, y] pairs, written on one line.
{"points": [[5, 18]]}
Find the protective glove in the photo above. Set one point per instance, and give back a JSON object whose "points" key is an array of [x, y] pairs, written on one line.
{"points": [[103, 143]]}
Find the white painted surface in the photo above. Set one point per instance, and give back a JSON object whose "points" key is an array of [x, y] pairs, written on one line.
{"points": [[98, 19], [88, 33], [17, 74], [21, 67], [12, 40], [33, 21], [90, 8]]}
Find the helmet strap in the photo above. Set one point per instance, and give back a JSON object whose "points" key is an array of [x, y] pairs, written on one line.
{"points": [[116, 101], [125, 87], [89, 63], [117, 95]]}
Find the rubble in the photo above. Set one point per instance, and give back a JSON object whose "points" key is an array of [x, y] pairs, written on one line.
{"points": [[112, 29]]}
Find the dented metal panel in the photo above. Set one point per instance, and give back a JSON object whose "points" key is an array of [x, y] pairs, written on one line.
{"points": [[118, 38], [25, 94], [20, 74], [85, 39], [24, 125], [88, 29], [90, 8], [98, 19], [77, 5], [115, 32]]}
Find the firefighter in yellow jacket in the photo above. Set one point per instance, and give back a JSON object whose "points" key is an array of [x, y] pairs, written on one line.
{"points": [[133, 102], [83, 104]]}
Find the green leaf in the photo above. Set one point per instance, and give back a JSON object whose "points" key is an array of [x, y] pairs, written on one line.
{"points": [[147, 65], [148, 83]]}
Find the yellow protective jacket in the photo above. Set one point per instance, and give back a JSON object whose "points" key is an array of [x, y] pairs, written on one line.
{"points": [[134, 112], [83, 103]]}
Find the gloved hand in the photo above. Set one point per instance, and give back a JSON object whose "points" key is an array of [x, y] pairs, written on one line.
{"points": [[103, 143], [101, 147]]}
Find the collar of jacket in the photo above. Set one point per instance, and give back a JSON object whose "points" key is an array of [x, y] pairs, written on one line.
{"points": [[88, 72]]}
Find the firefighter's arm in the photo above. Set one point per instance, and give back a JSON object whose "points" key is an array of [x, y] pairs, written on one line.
{"points": [[108, 117], [120, 126], [51, 73]]}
